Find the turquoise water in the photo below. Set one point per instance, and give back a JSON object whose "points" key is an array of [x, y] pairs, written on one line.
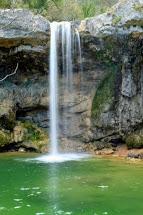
{"points": [[87, 187]]}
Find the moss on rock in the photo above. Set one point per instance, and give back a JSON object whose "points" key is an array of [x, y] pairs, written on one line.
{"points": [[5, 138], [27, 135], [134, 141], [7, 120], [138, 7], [34, 137], [104, 94], [116, 20]]}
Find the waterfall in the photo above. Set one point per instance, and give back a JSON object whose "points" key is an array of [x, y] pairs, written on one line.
{"points": [[54, 87], [64, 39]]}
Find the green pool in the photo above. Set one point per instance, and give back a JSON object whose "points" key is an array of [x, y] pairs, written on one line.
{"points": [[87, 187]]}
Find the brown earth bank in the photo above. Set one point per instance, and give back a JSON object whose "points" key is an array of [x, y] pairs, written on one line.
{"points": [[121, 151]]}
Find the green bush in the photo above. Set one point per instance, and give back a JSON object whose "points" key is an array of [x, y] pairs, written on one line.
{"points": [[116, 20], [5, 138], [134, 141], [5, 4], [61, 9], [138, 7], [34, 136], [88, 9], [33, 132]]}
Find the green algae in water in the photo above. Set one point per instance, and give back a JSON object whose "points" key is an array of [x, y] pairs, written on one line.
{"points": [[91, 187]]}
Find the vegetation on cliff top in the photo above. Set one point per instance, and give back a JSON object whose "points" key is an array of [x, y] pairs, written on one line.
{"points": [[61, 9]]}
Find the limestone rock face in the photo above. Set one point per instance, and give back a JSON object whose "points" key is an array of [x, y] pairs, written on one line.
{"points": [[18, 134], [22, 30], [123, 18], [7, 114], [108, 100], [24, 40], [116, 37]]}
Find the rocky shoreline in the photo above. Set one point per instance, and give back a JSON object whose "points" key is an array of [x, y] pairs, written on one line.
{"points": [[122, 152]]}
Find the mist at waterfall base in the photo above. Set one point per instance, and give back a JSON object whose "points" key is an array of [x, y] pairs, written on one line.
{"points": [[61, 33]]}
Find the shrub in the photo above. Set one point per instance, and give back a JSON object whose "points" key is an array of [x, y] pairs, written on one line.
{"points": [[5, 138], [116, 20], [59, 10], [134, 141], [5, 4], [138, 7], [33, 132]]}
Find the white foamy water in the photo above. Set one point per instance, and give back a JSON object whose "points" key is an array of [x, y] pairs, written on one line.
{"points": [[17, 207], [54, 87], [2, 208], [59, 158], [18, 200], [63, 39], [40, 213]]}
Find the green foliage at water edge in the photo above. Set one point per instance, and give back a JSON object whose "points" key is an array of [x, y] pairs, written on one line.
{"points": [[134, 141]]}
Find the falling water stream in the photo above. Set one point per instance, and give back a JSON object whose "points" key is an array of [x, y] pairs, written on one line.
{"points": [[64, 48], [62, 37], [54, 87]]}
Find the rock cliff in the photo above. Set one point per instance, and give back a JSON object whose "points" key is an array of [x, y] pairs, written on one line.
{"points": [[108, 101], [118, 41]]}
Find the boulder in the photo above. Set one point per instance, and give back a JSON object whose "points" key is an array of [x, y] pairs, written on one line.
{"points": [[23, 30], [122, 19], [31, 137], [18, 134]]}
